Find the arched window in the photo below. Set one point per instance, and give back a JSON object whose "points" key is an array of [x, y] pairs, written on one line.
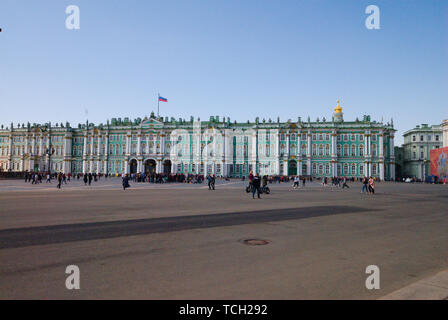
{"points": [[345, 150], [353, 150], [304, 148], [293, 149], [353, 169], [339, 149], [374, 150], [321, 150], [345, 169], [293, 137], [361, 151], [327, 149]]}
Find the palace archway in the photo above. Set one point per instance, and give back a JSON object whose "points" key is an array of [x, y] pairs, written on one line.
{"points": [[292, 168], [167, 166], [150, 167], [133, 166]]}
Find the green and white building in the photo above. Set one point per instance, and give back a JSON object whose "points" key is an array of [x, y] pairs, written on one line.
{"points": [[218, 146], [416, 149]]}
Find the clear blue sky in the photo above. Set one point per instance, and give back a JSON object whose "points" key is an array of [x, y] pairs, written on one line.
{"points": [[236, 58]]}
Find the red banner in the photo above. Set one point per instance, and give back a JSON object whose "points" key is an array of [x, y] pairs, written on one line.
{"points": [[439, 162]]}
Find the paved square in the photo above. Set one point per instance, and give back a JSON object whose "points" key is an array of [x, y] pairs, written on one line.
{"points": [[182, 241]]}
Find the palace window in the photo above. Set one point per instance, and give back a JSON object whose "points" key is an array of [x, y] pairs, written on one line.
{"points": [[353, 150], [361, 150], [314, 137], [374, 169], [321, 150], [293, 149], [320, 137], [338, 150], [345, 150], [345, 137], [361, 137], [321, 169], [374, 150], [327, 149], [353, 169], [304, 148], [345, 169], [327, 137], [293, 137], [314, 168], [437, 137], [327, 169], [314, 149]]}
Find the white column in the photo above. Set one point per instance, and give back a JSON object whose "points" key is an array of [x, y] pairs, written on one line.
{"points": [[106, 156], [139, 145], [392, 157], [147, 144], [128, 143], [41, 139], [308, 165], [84, 154], [162, 144], [254, 151]]}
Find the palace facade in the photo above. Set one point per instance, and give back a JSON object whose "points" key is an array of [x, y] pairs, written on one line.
{"points": [[218, 146]]}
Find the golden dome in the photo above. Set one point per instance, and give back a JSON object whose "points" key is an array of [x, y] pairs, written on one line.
{"points": [[338, 108]]}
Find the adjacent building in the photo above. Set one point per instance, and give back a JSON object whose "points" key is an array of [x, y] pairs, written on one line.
{"points": [[416, 149], [445, 132], [218, 146]]}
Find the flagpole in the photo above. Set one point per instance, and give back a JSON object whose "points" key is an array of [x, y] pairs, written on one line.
{"points": [[158, 101]]}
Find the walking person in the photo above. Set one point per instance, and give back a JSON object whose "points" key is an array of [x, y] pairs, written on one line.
{"points": [[125, 182], [48, 178], [90, 178], [59, 177], [256, 186], [344, 183], [85, 179], [365, 183], [296, 182], [371, 185]]}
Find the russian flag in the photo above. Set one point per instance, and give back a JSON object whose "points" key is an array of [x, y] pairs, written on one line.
{"points": [[163, 99]]}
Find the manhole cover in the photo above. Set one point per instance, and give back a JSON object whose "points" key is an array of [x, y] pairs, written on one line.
{"points": [[255, 242]]}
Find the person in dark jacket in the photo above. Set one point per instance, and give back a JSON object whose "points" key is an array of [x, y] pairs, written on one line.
{"points": [[125, 182], [59, 180], [256, 186]]}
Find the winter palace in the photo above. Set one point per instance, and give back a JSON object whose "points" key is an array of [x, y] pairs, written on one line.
{"points": [[218, 146]]}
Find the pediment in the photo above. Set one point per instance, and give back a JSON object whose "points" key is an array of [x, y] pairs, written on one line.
{"points": [[151, 123]]}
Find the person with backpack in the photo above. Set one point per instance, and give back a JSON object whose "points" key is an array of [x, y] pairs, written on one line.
{"points": [[256, 186]]}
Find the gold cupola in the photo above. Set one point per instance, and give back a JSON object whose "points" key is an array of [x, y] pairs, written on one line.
{"points": [[338, 113]]}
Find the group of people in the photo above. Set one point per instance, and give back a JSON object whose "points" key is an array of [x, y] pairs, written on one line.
{"points": [[165, 178], [368, 185], [257, 184]]}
